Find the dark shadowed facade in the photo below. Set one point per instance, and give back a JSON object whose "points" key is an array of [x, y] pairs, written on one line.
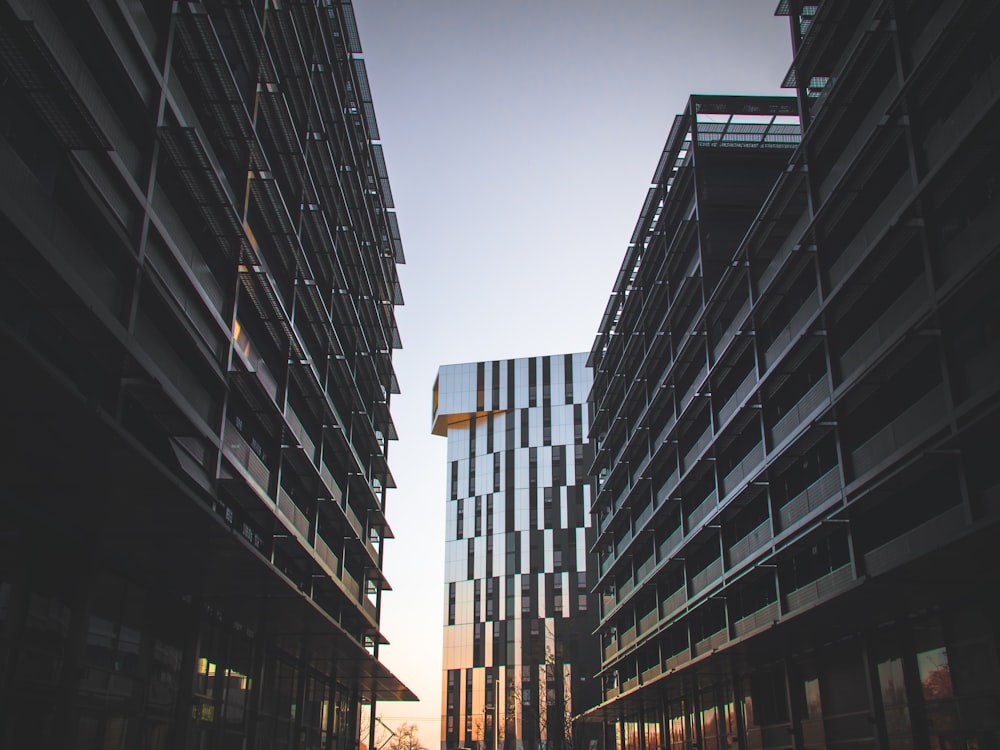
{"points": [[197, 292], [796, 404], [519, 651]]}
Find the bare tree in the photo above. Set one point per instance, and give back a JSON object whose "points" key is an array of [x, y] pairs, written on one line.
{"points": [[405, 738]]}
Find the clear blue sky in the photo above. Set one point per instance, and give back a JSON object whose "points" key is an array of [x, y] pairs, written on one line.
{"points": [[521, 137]]}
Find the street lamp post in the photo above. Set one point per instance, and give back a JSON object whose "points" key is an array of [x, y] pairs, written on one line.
{"points": [[490, 727]]}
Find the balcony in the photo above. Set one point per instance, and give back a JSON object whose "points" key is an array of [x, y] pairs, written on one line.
{"points": [[352, 519], [973, 107], [917, 541], [605, 563], [291, 513], [668, 486], [299, 432], [730, 331], [871, 232], [255, 361], [627, 587], [912, 423], [671, 421], [672, 662], [648, 621], [743, 469], [644, 514], [672, 603], [669, 545], [710, 643], [974, 241], [793, 328], [646, 567], [622, 541], [604, 520], [609, 651], [239, 451], [762, 618], [811, 400], [755, 540], [823, 489], [704, 578], [697, 448], [914, 298], [327, 556], [702, 510], [832, 583], [864, 138], [331, 484], [692, 391], [627, 637], [369, 607], [733, 402], [351, 584], [648, 675], [783, 253]]}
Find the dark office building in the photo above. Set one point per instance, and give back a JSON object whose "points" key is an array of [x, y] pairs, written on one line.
{"points": [[796, 404], [519, 647], [197, 292]]}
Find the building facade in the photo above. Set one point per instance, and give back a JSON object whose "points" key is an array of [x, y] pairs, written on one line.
{"points": [[519, 654], [795, 428], [197, 315]]}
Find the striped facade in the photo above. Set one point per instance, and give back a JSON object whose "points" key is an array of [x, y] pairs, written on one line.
{"points": [[518, 655]]}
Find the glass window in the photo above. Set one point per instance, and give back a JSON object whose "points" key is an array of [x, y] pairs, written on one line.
{"points": [[935, 674]]}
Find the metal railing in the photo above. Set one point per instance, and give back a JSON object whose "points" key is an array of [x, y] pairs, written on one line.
{"points": [[794, 327], [822, 489], [885, 326], [783, 253], [300, 432], [703, 508], [711, 642], [761, 618], [649, 620], [239, 451], [672, 603], [749, 544], [351, 584], [701, 580], [911, 423], [670, 544], [288, 509], [627, 637], [739, 472], [644, 514], [646, 566], [327, 555], [696, 449], [742, 391], [830, 583], [668, 486], [817, 394], [729, 332], [926, 536]]}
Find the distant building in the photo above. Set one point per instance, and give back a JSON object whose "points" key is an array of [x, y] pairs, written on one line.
{"points": [[519, 655], [197, 318], [795, 415]]}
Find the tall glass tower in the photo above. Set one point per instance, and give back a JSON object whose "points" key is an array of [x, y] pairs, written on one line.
{"points": [[518, 650]]}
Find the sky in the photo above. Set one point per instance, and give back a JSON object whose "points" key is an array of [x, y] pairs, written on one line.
{"points": [[521, 137]]}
